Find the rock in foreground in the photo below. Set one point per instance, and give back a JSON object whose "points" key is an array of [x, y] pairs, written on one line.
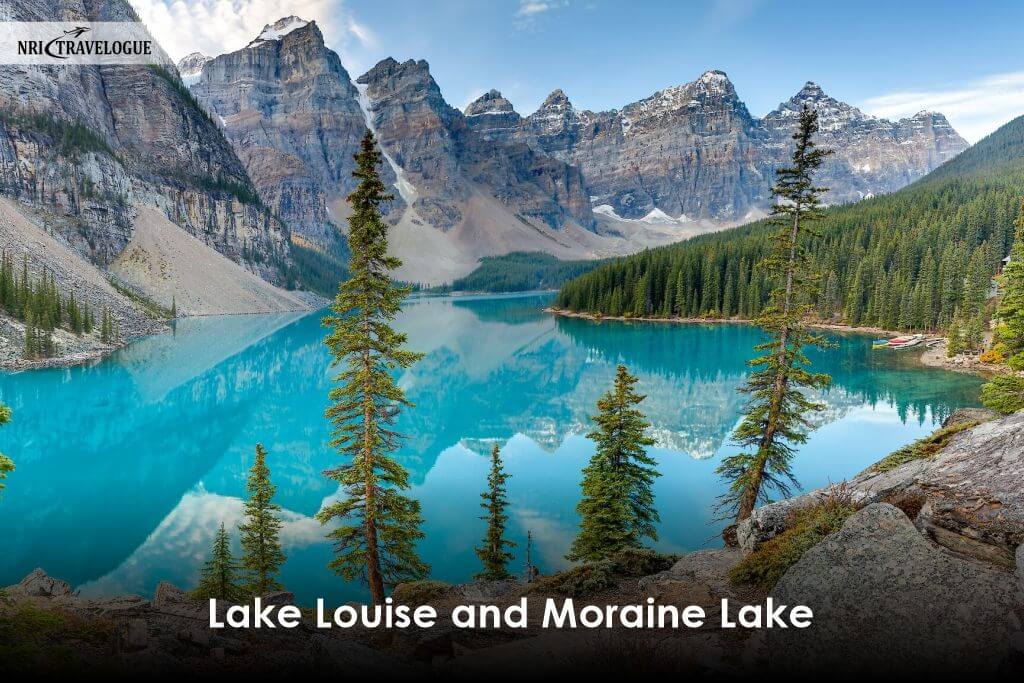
{"points": [[886, 600]]}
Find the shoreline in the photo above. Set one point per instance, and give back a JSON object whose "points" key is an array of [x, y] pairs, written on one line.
{"points": [[934, 357], [95, 355]]}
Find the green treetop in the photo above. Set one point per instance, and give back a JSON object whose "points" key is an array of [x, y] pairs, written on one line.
{"points": [[379, 526], [220, 575], [776, 416], [494, 552], [617, 508], [261, 548], [1005, 393]]}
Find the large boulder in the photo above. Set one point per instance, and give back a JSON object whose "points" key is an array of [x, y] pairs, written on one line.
{"points": [[42, 585], [974, 492], [968, 497], [697, 578], [886, 600]]}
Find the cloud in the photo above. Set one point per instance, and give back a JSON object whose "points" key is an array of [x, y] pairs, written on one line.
{"points": [[975, 108], [529, 10], [214, 27]]}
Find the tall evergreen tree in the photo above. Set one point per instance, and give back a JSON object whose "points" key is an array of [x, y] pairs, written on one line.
{"points": [[494, 553], [1005, 393], [380, 526], [6, 465], [220, 575], [776, 416], [617, 508], [261, 548]]}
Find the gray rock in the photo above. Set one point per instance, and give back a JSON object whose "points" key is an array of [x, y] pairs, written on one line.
{"points": [[168, 595], [40, 584], [887, 601], [483, 591], [967, 498], [137, 635], [698, 578], [962, 415], [974, 497], [278, 598]]}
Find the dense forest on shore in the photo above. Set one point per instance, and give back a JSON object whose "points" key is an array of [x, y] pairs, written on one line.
{"points": [[521, 271], [918, 259]]}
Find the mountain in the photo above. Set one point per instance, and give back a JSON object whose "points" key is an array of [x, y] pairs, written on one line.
{"points": [[292, 114], [694, 150], [487, 181], [191, 66], [88, 142], [117, 185], [915, 259], [871, 155]]}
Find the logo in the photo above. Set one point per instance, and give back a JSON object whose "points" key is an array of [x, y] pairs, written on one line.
{"points": [[77, 43]]}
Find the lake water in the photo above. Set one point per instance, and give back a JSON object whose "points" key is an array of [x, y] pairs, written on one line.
{"points": [[126, 468]]}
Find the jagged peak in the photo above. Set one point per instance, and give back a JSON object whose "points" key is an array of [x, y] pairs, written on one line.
{"points": [[491, 102], [390, 66], [192, 63], [557, 99], [809, 91], [715, 78], [279, 29]]}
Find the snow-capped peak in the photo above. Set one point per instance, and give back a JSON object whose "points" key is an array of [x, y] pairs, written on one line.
{"points": [[190, 68], [279, 29], [714, 78]]}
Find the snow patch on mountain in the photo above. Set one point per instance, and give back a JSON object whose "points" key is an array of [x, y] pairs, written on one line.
{"points": [[654, 217], [406, 190], [278, 30]]}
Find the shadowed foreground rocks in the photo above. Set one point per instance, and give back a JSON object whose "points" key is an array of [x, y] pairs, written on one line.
{"points": [[49, 628]]}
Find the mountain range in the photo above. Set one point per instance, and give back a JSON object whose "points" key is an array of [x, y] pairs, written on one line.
{"points": [[486, 180], [220, 182]]}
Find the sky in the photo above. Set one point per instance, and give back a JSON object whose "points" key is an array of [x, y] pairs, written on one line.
{"points": [[891, 59]]}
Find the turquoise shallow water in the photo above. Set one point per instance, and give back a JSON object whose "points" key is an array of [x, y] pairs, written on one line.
{"points": [[126, 468]]}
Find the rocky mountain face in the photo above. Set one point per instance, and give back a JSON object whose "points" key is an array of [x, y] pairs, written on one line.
{"points": [[690, 150], [448, 156], [190, 67], [87, 143], [694, 151], [292, 113], [871, 155]]}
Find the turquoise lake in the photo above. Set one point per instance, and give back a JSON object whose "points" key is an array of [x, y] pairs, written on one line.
{"points": [[125, 469]]}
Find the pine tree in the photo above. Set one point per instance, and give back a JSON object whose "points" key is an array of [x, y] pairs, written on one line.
{"points": [[174, 307], [617, 508], [955, 337], [261, 548], [6, 465], [219, 577], [776, 416], [1005, 393], [494, 552], [377, 539]]}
